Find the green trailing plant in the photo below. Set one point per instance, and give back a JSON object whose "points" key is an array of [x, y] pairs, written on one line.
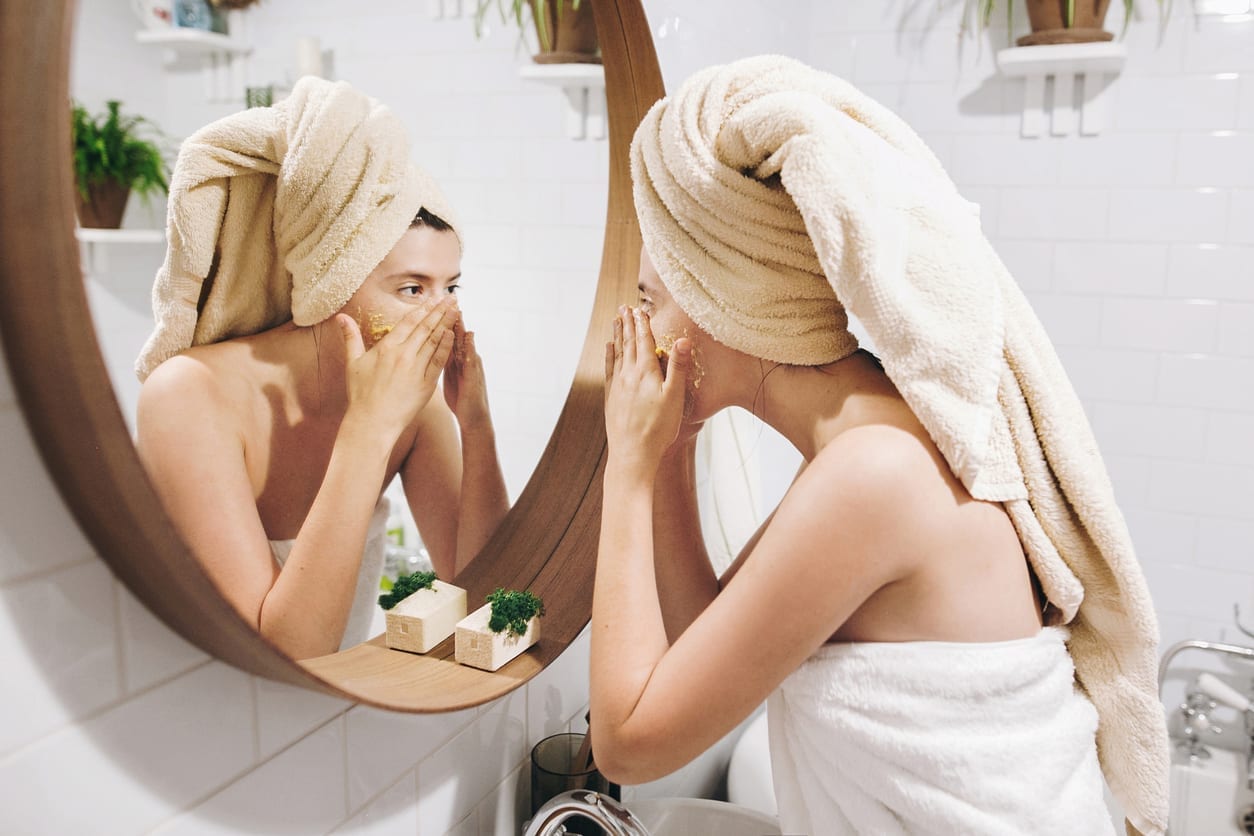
{"points": [[404, 586], [512, 609], [984, 13], [513, 10], [111, 146]]}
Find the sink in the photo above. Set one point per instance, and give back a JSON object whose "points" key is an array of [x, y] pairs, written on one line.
{"points": [[683, 816], [1210, 797]]}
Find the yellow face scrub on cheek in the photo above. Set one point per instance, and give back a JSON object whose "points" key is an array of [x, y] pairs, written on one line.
{"points": [[373, 326], [666, 344]]}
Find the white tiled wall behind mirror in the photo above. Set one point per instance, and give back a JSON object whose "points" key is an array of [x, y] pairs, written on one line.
{"points": [[1136, 247]]}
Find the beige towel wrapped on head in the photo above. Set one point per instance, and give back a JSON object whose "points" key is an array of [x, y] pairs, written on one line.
{"points": [[772, 197], [280, 213]]}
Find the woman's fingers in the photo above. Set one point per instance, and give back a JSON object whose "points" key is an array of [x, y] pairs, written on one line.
{"points": [[646, 348], [405, 326], [435, 335], [353, 345], [441, 349], [678, 368], [628, 320], [442, 315]]}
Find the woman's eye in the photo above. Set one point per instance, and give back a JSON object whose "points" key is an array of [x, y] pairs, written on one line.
{"points": [[452, 289], [412, 290]]}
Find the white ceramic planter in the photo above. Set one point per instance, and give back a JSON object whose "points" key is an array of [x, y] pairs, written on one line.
{"points": [[479, 647], [425, 618]]}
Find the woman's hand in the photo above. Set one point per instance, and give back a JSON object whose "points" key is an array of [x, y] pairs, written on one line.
{"points": [[465, 389], [644, 408], [389, 384]]}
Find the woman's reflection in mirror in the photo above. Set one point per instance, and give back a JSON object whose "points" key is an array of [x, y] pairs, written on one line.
{"points": [[306, 313]]}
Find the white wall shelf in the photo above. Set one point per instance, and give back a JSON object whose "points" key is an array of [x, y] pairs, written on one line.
{"points": [[450, 9], [95, 240], [1095, 65], [584, 87], [184, 39], [224, 59]]}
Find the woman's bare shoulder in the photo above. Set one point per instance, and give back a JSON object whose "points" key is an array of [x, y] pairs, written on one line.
{"points": [[206, 382], [892, 478]]}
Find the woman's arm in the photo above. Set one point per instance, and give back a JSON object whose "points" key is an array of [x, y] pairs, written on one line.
{"points": [[685, 579], [457, 500], [195, 455], [658, 705], [484, 500], [686, 583]]}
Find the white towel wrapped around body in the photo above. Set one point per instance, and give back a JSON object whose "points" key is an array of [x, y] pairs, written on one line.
{"points": [[923, 738], [772, 198]]}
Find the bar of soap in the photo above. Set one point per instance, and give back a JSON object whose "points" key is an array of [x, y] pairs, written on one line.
{"points": [[425, 618], [479, 647]]}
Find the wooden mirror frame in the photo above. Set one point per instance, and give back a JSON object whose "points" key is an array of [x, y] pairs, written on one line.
{"points": [[548, 541]]}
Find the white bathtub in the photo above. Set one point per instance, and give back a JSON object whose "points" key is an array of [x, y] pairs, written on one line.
{"points": [[1210, 797]]}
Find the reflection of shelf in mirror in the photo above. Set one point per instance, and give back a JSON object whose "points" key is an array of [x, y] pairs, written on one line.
{"points": [[223, 57], [584, 86], [1094, 64], [94, 238]]}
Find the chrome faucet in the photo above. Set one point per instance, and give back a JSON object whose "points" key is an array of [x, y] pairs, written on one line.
{"points": [[1214, 688], [613, 818], [1196, 710]]}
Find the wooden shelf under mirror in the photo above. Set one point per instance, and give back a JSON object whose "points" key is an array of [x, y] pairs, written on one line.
{"points": [[547, 543]]}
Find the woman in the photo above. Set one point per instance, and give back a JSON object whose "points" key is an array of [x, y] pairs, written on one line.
{"points": [[271, 447], [886, 610]]}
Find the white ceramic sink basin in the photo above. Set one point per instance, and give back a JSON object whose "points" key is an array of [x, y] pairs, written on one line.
{"points": [[1209, 797], [685, 816]]}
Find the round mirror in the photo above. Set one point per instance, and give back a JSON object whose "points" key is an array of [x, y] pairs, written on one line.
{"points": [[546, 543]]}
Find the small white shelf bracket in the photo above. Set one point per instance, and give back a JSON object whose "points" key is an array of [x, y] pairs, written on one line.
{"points": [[1083, 75], [448, 9], [584, 88], [224, 59], [94, 241]]}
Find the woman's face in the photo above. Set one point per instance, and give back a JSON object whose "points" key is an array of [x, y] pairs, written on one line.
{"points": [[424, 265], [668, 322]]}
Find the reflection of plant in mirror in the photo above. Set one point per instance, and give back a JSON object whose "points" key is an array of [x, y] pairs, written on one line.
{"points": [[109, 147], [406, 585], [512, 609], [514, 9]]}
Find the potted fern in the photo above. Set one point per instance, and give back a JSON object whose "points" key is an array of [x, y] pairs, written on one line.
{"points": [[1059, 21], [111, 157], [565, 29]]}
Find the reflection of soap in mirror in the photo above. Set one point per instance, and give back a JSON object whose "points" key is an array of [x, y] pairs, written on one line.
{"points": [[425, 618], [479, 647]]}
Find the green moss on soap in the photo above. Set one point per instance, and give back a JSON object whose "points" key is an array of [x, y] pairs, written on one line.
{"points": [[405, 586], [512, 609]]}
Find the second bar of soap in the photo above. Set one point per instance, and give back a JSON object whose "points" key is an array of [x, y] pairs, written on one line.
{"points": [[425, 618]]}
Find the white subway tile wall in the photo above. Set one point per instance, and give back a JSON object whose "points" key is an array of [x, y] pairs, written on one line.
{"points": [[1135, 246]]}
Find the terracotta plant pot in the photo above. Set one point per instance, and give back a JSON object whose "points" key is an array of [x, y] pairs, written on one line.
{"points": [[105, 204], [576, 40], [1048, 19]]}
